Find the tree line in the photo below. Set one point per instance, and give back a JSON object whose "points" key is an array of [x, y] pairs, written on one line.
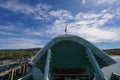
{"points": [[15, 54]]}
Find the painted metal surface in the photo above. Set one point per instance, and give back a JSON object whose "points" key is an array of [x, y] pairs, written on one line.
{"points": [[47, 66], [69, 52], [98, 72], [105, 58]]}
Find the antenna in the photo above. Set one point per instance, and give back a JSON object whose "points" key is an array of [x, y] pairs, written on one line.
{"points": [[66, 30]]}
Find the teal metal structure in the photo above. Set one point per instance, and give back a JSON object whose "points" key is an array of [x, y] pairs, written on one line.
{"points": [[72, 57], [47, 66], [98, 73]]}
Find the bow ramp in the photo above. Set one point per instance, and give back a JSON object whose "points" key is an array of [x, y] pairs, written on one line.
{"points": [[69, 58]]}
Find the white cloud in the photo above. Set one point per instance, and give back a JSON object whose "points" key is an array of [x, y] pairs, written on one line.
{"points": [[11, 29], [83, 2], [15, 43], [8, 26], [32, 31], [117, 12], [92, 18], [6, 33], [2, 27], [90, 26], [16, 7], [96, 34], [106, 1], [63, 15], [39, 11], [57, 28]]}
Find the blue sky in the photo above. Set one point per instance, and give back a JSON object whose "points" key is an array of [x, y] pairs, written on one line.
{"points": [[33, 23]]}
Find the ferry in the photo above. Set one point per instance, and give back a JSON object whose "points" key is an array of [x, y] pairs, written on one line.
{"points": [[69, 57]]}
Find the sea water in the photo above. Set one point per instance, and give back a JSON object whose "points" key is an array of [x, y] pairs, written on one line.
{"points": [[115, 68]]}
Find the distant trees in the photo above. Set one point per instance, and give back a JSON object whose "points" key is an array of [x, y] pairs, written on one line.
{"points": [[113, 51], [15, 54]]}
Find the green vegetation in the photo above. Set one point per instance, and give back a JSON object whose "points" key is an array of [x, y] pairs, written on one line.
{"points": [[113, 51], [14, 54]]}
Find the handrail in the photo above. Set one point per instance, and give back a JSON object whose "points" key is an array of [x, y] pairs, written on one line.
{"points": [[28, 76]]}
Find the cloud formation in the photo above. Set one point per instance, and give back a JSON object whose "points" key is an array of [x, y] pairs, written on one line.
{"points": [[90, 25], [39, 11], [95, 26], [105, 1], [20, 43], [83, 2]]}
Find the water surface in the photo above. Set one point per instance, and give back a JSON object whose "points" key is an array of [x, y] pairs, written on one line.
{"points": [[115, 68]]}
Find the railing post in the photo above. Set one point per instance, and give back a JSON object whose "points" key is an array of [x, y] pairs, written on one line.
{"points": [[47, 66], [12, 74], [23, 68], [98, 73]]}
